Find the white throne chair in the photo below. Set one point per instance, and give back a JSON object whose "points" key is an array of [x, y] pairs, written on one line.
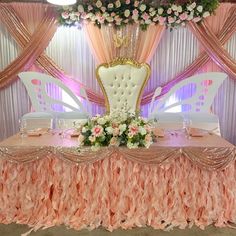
{"points": [[122, 82], [197, 105], [43, 105]]}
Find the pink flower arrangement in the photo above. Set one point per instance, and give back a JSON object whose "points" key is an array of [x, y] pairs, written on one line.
{"points": [[134, 11], [116, 130]]}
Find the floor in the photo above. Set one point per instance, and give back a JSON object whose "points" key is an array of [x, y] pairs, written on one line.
{"points": [[17, 230]]}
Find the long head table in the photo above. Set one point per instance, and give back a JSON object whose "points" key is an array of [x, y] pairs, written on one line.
{"points": [[47, 180]]}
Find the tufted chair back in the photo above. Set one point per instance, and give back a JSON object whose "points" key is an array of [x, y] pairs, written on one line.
{"points": [[122, 82]]}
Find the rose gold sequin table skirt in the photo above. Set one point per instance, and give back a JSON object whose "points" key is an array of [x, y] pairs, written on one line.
{"points": [[47, 181]]}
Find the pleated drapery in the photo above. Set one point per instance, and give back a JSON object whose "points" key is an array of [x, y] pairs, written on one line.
{"points": [[69, 50], [109, 43]]}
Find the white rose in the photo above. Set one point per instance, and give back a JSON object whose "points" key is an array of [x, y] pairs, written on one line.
{"points": [[73, 17], [189, 8], [179, 9], [132, 145], [200, 8], [110, 5], [80, 8], [151, 9], [93, 17], [118, 4], [148, 21], [190, 17], [176, 13], [153, 13], [105, 15], [142, 7], [134, 17], [193, 5], [109, 19], [174, 7], [96, 147], [98, 3], [109, 130], [84, 130], [122, 128], [142, 131], [206, 14], [160, 10], [101, 121], [127, 13]]}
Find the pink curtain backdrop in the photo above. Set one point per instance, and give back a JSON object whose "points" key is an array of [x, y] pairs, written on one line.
{"points": [[33, 52], [109, 43]]}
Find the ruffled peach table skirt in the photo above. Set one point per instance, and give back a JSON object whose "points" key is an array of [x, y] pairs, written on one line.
{"points": [[116, 188]]}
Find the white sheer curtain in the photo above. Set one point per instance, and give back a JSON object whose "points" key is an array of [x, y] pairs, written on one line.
{"points": [[224, 104], [70, 51], [14, 101]]}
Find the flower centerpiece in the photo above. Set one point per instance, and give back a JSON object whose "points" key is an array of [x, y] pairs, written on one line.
{"points": [[124, 129], [122, 12]]}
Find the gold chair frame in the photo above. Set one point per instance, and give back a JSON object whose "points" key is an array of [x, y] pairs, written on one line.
{"points": [[123, 61]]}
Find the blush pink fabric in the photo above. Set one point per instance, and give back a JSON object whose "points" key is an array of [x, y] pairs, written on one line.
{"points": [[116, 192]]}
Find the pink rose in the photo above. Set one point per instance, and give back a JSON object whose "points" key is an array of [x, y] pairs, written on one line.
{"points": [[145, 16], [83, 15], [133, 129], [116, 131], [113, 14], [135, 12], [101, 19], [92, 139], [162, 20], [114, 141], [127, 2], [171, 20], [97, 131], [169, 11], [136, 3], [103, 9], [65, 15], [90, 7], [183, 16]]}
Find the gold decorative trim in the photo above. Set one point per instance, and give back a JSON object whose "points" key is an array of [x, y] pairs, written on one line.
{"points": [[123, 61]]}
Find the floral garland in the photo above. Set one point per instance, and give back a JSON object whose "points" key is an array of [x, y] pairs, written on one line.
{"points": [[120, 13], [118, 129]]}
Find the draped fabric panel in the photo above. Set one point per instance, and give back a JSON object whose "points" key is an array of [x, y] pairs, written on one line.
{"points": [[14, 100], [70, 50], [130, 41]]}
